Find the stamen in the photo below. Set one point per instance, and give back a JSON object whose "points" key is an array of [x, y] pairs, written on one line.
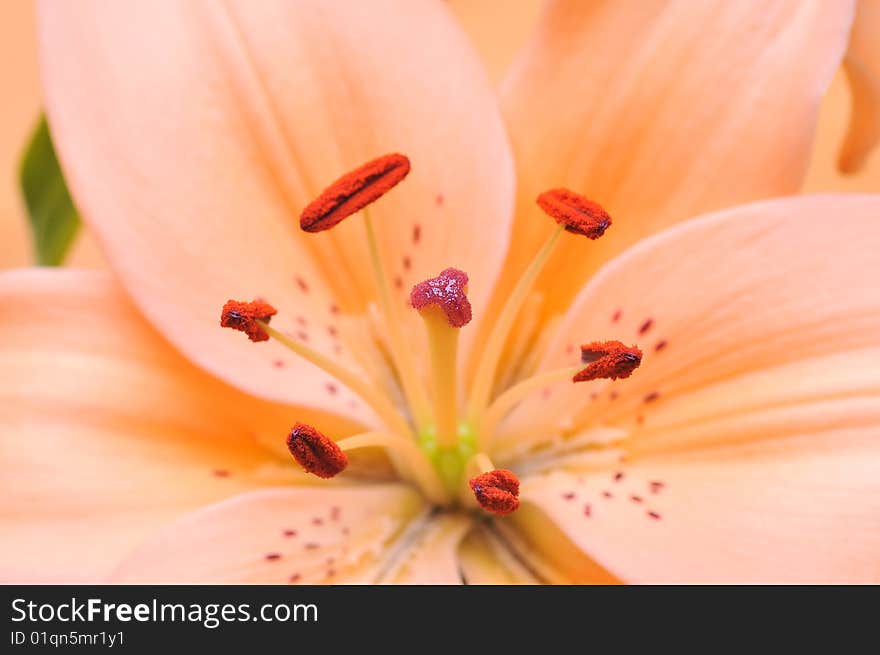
{"points": [[496, 491], [408, 455], [443, 304], [485, 375], [315, 452], [448, 291], [248, 317], [575, 212], [349, 194], [512, 396], [354, 191], [244, 316], [402, 356], [571, 213], [608, 359]]}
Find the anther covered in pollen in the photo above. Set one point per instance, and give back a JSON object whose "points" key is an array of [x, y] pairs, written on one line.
{"points": [[315, 452], [244, 316], [496, 491], [448, 291], [354, 191], [608, 360], [578, 214]]}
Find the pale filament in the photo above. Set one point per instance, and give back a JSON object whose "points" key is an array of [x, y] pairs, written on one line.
{"points": [[406, 451], [512, 396], [485, 375], [403, 359], [378, 402]]}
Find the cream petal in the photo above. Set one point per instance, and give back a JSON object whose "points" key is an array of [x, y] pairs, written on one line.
{"points": [[660, 111], [486, 560], [280, 536], [108, 432], [432, 555], [203, 128], [800, 510], [769, 305]]}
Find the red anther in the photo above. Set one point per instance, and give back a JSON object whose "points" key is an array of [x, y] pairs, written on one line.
{"points": [[315, 452], [449, 292], [243, 316], [578, 214], [496, 491], [609, 360], [354, 191]]}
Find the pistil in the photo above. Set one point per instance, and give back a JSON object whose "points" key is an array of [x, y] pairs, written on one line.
{"points": [[443, 305]]}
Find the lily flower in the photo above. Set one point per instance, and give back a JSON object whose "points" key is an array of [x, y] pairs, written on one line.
{"points": [[443, 380]]}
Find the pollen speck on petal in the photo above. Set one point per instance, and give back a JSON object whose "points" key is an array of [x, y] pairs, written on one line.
{"points": [[315, 452], [578, 214], [496, 491], [243, 316], [354, 191]]}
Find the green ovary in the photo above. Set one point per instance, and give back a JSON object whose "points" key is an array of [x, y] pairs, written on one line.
{"points": [[449, 462]]}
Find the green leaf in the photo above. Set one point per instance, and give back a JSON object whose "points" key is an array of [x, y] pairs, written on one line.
{"points": [[54, 220]]}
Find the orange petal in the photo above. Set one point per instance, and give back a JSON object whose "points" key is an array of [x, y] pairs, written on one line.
{"points": [[800, 510], [109, 433], [661, 111], [862, 65], [497, 46], [281, 535], [766, 305], [197, 200]]}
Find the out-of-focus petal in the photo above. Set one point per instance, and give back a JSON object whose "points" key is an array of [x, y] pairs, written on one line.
{"points": [[862, 65], [660, 111], [108, 433], [497, 43]]}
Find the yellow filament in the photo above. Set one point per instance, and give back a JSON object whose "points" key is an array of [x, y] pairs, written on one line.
{"points": [[443, 344], [508, 400], [479, 463], [485, 375], [406, 451], [380, 404], [403, 360]]}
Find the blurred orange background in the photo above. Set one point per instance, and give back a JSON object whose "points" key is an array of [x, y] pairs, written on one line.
{"points": [[496, 38]]}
